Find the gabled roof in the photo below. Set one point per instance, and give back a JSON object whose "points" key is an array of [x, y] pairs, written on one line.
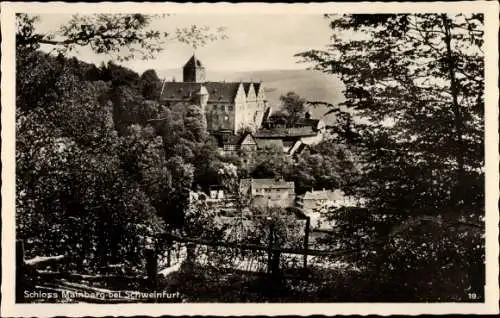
{"points": [[257, 87], [193, 62], [247, 86], [217, 91], [249, 137]]}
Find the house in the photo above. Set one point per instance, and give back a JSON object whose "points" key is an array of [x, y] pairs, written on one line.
{"points": [[217, 192], [314, 202], [305, 132], [269, 192], [228, 106]]}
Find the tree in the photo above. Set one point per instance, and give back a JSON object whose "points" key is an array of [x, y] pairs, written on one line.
{"points": [[417, 80], [111, 34], [67, 152], [294, 105], [270, 162], [323, 166], [150, 83]]}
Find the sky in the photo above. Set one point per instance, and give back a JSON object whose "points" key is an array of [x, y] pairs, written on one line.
{"points": [[255, 42]]}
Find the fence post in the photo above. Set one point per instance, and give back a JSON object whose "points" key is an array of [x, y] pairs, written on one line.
{"points": [[270, 248], [306, 239], [20, 271], [276, 266], [151, 266], [190, 256], [169, 250]]}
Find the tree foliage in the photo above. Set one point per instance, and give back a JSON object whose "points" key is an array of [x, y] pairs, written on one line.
{"points": [[294, 107], [97, 172], [126, 36], [417, 82]]}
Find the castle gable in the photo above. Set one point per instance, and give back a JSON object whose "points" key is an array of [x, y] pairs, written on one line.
{"points": [[249, 91]]}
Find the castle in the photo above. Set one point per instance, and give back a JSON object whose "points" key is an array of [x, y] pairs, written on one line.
{"points": [[228, 106]]}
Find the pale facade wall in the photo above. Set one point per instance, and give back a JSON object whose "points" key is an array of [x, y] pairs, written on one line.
{"points": [[239, 109], [261, 105]]}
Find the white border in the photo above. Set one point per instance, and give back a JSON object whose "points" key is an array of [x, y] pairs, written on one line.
{"points": [[9, 308]]}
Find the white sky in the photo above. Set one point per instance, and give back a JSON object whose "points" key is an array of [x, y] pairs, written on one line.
{"points": [[256, 42]]}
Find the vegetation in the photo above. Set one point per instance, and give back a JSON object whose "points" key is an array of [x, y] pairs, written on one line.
{"points": [[103, 169], [98, 169], [417, 81]]}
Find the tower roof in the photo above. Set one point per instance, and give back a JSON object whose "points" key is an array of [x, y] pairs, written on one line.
{"points": [[193, 62]]}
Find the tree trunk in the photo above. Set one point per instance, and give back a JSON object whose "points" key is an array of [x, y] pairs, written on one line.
{"points": [[459, 124]]}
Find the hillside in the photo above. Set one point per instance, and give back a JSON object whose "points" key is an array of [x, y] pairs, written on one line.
{"points": [[312, 85]]}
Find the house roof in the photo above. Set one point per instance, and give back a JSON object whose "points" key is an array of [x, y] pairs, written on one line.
{"points": [[271, 184], [193, 62], [300, 148], [247, 184], [217, 91], [268, 143], [334, 195], [289, 143], [308, 122], [286, 132]]}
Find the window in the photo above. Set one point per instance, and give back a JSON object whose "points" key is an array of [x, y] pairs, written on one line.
{"points": [[215, 107], [231, 108]]}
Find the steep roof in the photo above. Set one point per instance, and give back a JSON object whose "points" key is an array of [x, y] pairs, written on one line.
{"points": [[217, 91], [247, 85], [193, 62], [257, 87]]}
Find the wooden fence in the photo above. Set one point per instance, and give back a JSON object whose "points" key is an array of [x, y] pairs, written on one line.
{"points": [[273, 253]]}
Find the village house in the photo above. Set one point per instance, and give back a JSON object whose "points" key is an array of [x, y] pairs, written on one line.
{"points": [[269, 192], [314, 202]]}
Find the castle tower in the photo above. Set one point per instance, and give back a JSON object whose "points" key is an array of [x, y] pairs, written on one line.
{"points": [[201, 97], [194, 71]]}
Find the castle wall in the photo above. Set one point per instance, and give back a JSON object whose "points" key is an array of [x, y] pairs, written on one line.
{"points": [[220, 116]]}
